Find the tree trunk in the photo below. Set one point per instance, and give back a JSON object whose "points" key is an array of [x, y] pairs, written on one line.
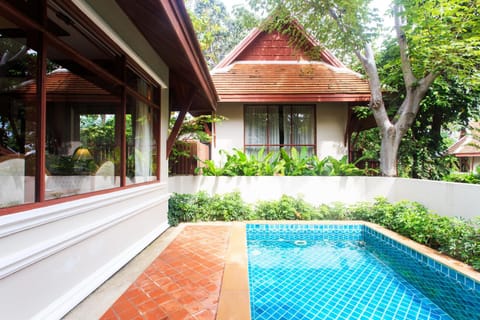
{"points": [[388, 152]]}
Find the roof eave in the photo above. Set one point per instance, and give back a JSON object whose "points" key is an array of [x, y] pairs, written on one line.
{"points": [[184, 29], [276, 98], [182, 52]]}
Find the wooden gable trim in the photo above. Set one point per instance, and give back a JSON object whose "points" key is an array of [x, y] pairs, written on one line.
{"points": [[230, 58]]}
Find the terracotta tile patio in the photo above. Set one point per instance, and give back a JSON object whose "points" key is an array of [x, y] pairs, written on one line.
{"points": [[183, 282]]}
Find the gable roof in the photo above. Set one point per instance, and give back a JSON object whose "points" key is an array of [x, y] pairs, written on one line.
{"points": [[268, 67], [257, 37]]}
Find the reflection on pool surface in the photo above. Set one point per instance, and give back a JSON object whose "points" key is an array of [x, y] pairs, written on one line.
{"points": [[346, 272]]}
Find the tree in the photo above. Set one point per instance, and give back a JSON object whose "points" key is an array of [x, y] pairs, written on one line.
{"points": [[434, 38], [448, 104], [218, 31]]}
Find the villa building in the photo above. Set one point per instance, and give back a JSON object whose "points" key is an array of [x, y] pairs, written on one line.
{"points": [[277, 93]]}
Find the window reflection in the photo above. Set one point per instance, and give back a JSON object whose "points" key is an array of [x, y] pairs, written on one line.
{"points": [[142, 122], [85, 81], [17, 116], [82, 146]]}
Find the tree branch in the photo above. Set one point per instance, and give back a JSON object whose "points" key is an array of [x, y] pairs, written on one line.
{"points": [[408, 76]]}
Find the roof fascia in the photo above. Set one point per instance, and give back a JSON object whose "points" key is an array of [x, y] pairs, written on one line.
{"points": [[183, 28], [296, 98]]}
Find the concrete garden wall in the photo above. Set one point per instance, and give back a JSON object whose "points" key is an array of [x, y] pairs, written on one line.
{"points": [[444, 198]]}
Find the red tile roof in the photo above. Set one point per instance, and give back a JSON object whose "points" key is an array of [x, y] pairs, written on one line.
{"points": [[292, 81], [269, 67]]}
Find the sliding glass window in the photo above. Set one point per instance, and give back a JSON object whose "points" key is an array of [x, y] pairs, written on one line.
{"points": [[89, 123]]}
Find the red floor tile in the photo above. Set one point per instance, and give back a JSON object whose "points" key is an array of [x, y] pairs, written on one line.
{"points": [[183, 282]]}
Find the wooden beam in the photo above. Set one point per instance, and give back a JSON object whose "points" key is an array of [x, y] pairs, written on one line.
{"points": [[42, 111], [178, 124]]}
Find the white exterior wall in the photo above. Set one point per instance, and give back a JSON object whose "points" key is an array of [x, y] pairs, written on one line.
{"points": [[443, 198], [229, 134], [53, 257], [476, 163], [331, 120], [331, 125]]}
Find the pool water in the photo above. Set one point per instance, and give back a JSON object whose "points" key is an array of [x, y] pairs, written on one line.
{"points": [[345, 272]]}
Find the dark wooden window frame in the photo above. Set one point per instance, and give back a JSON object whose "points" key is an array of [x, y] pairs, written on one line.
{"points": [[45, 39]]}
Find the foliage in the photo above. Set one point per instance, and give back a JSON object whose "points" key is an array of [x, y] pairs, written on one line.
{"points": [[67, 165], [279, 163], [470, 177], [193, 128], [218, 31], [286, 208], [203, 207], [450, 102], [452, 236]]}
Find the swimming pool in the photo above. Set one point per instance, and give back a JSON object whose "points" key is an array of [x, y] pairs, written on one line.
{"points": [[318, 271]]}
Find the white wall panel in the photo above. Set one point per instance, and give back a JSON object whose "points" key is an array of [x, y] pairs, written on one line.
{"points": [[53, 257]]}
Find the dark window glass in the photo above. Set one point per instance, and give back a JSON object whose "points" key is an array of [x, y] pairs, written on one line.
{"points": [[18, 116]]}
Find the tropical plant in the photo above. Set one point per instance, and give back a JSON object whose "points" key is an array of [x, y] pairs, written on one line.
{"points": [[286, 208], [203, 207], [280, 163], [464, 177]]}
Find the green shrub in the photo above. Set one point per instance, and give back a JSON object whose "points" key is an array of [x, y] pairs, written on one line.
{"points": [[287, 208], [227, 207], [471, 177], [335, 211], [182, 208], [203, 207]]}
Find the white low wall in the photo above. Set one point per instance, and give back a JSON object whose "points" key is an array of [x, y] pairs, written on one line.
{"points": [[444, 198], [53, 257]]}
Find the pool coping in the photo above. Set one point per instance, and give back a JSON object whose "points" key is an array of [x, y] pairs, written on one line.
{"points": [[234, 300]]}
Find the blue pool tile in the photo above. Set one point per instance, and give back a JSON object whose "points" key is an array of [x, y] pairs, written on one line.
{"points": [[327, 285]]}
